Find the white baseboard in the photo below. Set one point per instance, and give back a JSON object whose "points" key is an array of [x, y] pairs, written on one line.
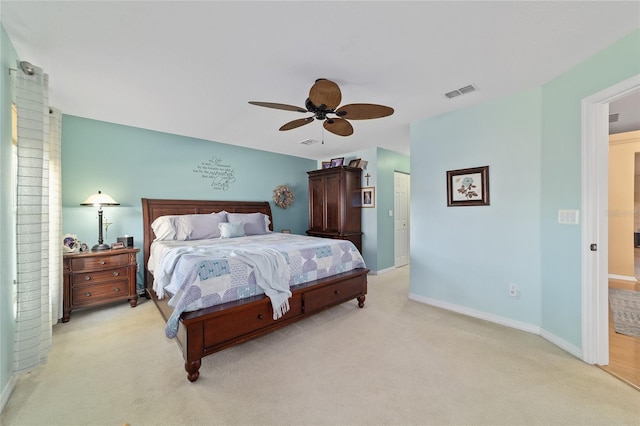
{"points": [[622, 278], [477, 314], [508, 322], [6, 392], [562, 344]]}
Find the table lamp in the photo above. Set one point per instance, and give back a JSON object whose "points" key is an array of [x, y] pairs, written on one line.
{"points": [[99, 200]]}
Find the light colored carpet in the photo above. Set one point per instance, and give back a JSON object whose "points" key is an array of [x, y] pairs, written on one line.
{"points": [[625, 310], [395, 362]]}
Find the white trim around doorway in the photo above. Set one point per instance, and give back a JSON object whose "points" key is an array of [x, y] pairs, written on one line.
{"points": [[595, 177]]}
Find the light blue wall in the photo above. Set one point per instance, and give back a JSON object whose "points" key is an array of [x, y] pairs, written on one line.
{"points": [[388, 162], [131, 163], [377, 226], [561, 179], [8, 58], [467, 256]]}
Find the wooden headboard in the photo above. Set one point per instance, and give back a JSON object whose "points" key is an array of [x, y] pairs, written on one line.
{"points": [[154, 208]]}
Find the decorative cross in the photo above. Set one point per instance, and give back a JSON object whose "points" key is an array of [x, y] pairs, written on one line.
{"points": [[106, 224], [367, 176]]}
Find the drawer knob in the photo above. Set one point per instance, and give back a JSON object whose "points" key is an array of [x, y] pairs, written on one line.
{"points": [[260, 316], [337, 291], [116, 289], [103, 262], [115, 274], [87, 277], [87, 294]]}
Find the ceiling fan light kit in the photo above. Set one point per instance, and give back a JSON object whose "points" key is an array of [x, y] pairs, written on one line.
{"points": [[324, 98]]}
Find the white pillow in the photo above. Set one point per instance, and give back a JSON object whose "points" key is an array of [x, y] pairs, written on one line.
{"points": [[164, 228], [254, 223], [231, 229], [199, 226]]}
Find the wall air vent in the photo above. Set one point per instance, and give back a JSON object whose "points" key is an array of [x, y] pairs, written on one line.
{"points": [[461, 91], [614, 117], [309, 141]]}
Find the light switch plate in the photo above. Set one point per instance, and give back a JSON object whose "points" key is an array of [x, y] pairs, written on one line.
{"points": [[568, 217]]}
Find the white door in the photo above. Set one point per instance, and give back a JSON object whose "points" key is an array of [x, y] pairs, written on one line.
{"points": [[401, 222], [595, 227]]}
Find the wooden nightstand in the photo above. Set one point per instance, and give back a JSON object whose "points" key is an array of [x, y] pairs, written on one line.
{"points": [[97, 277]]}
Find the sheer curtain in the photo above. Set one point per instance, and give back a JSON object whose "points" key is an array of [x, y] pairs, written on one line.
{"points": [[38, 230]]}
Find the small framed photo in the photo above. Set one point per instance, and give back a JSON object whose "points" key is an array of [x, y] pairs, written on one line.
{"points": [[326, 164], [84, 247], [468, 187], [337, 162], [354, 163], [368, 197], [362, 164]]}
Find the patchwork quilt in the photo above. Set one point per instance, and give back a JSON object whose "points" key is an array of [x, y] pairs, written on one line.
{"points": [[202, 273]]}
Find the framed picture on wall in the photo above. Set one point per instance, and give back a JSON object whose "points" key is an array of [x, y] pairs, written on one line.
{"points": [[368, 197], [468, 187]]}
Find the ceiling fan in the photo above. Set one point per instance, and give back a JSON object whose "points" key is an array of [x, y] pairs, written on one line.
{"points": [[324, 98]]}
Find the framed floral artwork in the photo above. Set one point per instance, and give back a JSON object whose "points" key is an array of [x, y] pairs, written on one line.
{"points": [[468, 187]]}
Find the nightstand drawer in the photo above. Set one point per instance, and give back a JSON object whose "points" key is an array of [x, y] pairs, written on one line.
{"points": [[98, 277], [86, 295], [99, 262]]}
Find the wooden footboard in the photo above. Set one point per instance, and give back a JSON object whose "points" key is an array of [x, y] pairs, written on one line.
{"points": [[210, 330]]}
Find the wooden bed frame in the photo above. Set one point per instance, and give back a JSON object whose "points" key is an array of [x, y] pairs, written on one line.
{"points": [[210, 330]]}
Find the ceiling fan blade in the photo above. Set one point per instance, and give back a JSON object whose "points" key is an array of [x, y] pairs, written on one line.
{"points": [[296, 123], [325, 92], [363, 111], [338, 126], [278, 106]]}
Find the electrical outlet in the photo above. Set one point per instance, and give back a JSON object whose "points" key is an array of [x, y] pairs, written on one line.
{"points": [[513, 290]]}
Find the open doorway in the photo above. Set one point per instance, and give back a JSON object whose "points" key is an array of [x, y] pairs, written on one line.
{"points": [[595, 231], [401, 223]]}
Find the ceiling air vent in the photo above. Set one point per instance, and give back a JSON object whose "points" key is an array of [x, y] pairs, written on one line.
{"points": [[309, 141], [614, 117], [461, 91]]}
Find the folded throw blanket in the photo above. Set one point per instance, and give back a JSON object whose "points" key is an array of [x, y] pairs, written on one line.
{"points": [[269, 266]]}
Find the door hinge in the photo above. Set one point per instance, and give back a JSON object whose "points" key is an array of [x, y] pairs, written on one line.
{"points": [[593, 247]]}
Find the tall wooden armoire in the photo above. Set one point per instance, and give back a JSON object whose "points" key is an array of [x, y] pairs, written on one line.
{"points": [[334, 204]]}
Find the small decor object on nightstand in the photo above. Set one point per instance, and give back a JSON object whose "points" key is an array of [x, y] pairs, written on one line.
{"points": [[283, 196], [119, 245], [70, 243]]}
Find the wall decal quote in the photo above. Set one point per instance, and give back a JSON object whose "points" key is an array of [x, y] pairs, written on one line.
{"points": [[221, 175]]}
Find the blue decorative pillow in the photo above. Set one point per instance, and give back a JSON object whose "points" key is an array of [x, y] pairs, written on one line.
{"points": [[231, 229]]}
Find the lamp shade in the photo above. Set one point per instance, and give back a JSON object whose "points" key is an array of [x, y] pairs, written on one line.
{"points": [[99, 199]]}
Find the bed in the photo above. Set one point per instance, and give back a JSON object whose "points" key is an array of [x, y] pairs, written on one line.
{"points": [[210, 329]]}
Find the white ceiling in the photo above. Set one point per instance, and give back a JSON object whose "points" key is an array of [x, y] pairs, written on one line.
{"points": [[190, 68]]}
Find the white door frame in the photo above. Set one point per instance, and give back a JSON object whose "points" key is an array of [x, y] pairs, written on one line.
{"points": [[595, 226]]}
